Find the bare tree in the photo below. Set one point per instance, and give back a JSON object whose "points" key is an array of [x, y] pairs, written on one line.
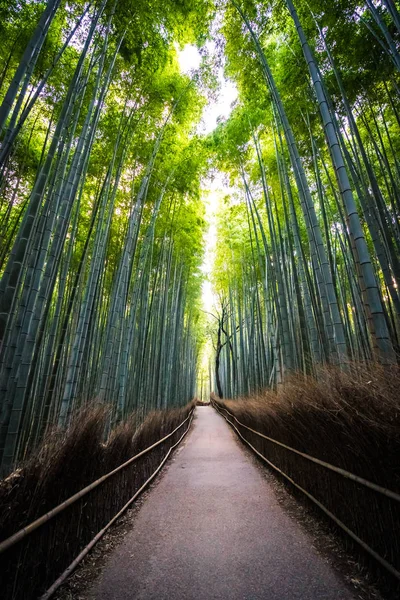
{"points": [[223, 339]]}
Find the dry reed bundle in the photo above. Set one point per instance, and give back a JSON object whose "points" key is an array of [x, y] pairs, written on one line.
{"points": [[64, 464], [351, 419]]}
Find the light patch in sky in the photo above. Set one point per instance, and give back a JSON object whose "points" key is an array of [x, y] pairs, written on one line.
{"points": [[211, 204], [217, 189], [189, 58], [222, 108]]}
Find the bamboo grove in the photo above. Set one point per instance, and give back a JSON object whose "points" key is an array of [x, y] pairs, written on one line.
{"points": [[307, 268], [101, 223]]}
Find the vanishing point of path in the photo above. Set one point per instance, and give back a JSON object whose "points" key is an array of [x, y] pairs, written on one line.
{"points": [[212, 528]]}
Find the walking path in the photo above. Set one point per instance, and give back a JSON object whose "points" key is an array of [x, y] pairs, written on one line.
{"points": [[212, 529]]}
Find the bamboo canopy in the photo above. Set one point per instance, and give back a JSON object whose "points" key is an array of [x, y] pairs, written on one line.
{"points": [[103, 168]]}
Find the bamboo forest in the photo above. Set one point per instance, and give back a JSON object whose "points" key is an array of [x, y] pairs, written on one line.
{"points": [[198, 198]]}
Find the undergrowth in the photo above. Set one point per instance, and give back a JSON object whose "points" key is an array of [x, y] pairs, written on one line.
{"points": [[65, 463], [351, 419]]}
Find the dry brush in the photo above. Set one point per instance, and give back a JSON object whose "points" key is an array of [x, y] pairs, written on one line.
{"points": [[351, 419], [65, 463]]}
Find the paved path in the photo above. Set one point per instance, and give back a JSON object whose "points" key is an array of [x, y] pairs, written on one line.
{"points": [[212, 529]]}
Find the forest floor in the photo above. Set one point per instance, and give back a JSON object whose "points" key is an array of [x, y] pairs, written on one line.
{"points": [[217, 525]]}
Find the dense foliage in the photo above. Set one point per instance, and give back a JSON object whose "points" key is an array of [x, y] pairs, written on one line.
{"points": [[307, 269], [101, 221]]}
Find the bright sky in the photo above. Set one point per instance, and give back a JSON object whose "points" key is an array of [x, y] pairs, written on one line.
{"points": [[189, 60]]}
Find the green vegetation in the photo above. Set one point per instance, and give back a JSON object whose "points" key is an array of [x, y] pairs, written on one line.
{"points": [[307, 265], [103, 174], [307, 258], [102, 221]]}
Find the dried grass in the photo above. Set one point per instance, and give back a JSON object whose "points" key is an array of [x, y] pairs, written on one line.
{"points": [[64, 464], [351, 419]]}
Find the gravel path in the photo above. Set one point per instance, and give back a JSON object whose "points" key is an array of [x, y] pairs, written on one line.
{"points": [[212, 529]]}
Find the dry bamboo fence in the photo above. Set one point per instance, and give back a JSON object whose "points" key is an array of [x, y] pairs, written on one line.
{"points": [[44, 551], [368, 513]]}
